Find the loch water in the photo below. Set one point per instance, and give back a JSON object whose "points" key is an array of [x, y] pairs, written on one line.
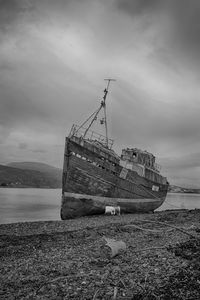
{"points": [[20, 205]]}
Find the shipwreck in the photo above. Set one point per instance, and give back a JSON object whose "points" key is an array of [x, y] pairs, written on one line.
{"points": [[96, 180]]}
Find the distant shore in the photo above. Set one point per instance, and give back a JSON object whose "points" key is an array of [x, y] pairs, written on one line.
{"points": [[28, 187], [69, 259], [176, 191]]}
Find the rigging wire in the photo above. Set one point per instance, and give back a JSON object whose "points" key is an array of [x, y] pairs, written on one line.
{"points": [[94, 115], [87, 120]]}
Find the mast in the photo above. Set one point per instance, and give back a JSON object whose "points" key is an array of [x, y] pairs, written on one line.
{"points": [[94, 115], [104, 106]]}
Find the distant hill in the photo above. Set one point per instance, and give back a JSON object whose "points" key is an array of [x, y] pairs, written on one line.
{"points": [[36, 166], [178, 189], [30, 174], [40, 175]]}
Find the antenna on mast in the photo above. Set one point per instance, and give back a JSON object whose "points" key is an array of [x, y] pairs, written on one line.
{"points": [[103, 103]]}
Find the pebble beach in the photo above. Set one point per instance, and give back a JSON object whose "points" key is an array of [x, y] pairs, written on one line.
{"points": [[72, 260]]}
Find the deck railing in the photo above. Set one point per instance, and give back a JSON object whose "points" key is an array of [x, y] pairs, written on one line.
{"points": [[90, 136]]}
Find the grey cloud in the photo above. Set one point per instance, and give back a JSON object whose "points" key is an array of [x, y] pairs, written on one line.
{"points": [[16, 108], [42, 91], [180, 25], [182, 170], [137, 7], [4, 133], [184, 17], [5, 66], [23, 146], [22, 12], [182, 162], [158, 119], [39, 151], [13, 11]]}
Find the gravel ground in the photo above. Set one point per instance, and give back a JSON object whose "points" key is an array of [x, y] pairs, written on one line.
{"points": [[70, 259]]}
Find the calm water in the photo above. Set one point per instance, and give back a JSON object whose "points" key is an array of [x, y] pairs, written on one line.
{"points": [[19, 205]]}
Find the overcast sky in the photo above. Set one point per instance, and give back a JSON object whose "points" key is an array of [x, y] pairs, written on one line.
{"points": [[54, 56]]}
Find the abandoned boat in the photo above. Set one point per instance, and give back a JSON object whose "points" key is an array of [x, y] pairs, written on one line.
{"points": [[96, 180]]}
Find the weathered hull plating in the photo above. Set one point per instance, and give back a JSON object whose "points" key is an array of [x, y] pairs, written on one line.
{"points": [[77, 205], [89, 188]]}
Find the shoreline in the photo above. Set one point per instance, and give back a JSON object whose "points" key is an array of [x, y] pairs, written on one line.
{"points": [[53, 226], [85, 222], [70, 260], [181, 191]]}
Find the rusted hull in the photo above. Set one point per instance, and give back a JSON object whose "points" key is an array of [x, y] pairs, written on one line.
{"points": [[89, 188], [77, 205]]}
